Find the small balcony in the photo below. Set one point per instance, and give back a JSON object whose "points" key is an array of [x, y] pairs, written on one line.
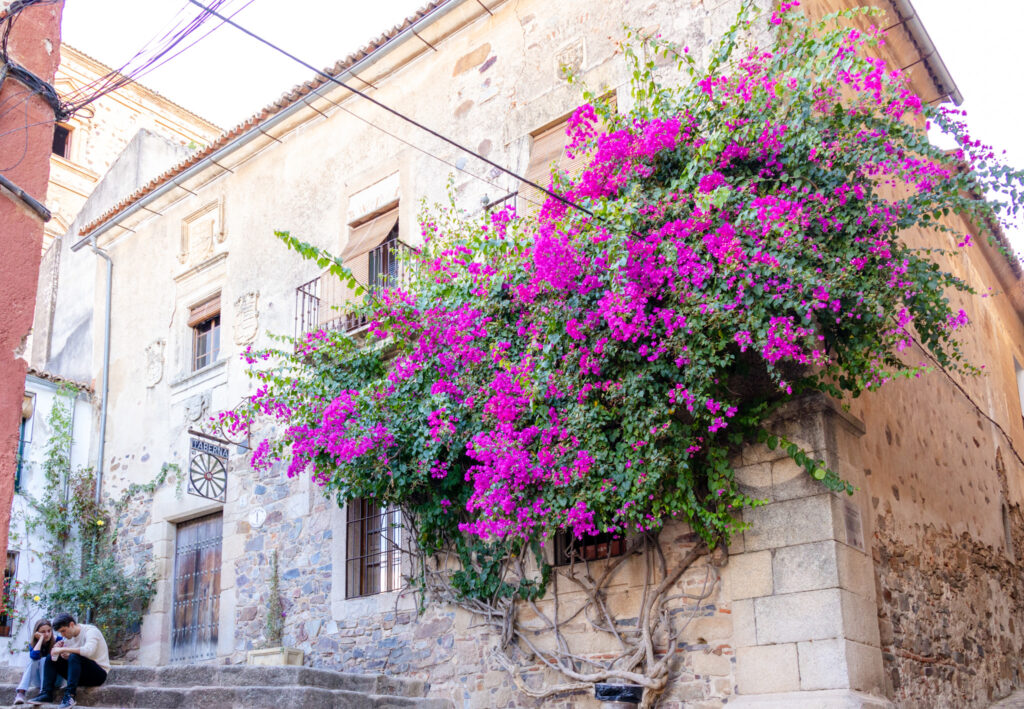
{"points": [[327, 303]]}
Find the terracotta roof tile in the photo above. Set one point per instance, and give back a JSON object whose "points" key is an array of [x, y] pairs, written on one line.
{"points": [[286, 100], [64, 45], [57, 379]]}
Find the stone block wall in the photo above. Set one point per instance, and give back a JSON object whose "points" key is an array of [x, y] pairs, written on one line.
{"points": [[951, 615], [789, 614], [444, 646], [802, 587]]}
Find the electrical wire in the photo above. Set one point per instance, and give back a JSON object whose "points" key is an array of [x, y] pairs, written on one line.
{"points": [[191, 44], [66, 106], [152, 55], [24, 148], [396, 112], [966, 395]]}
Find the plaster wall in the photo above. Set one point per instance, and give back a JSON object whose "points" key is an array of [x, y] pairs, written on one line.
{"points": [[67, 298], [102, 130], [925, 465], [25, 143], [945, 488]]}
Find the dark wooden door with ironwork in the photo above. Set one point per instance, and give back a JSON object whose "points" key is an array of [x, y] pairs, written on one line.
{"points": [[196, 609]]}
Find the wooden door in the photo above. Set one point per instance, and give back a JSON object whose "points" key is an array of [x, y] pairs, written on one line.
{"points": [[196, 607]]}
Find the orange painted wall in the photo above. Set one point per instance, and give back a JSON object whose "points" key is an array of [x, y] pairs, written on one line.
{"points": [[26, 139]]}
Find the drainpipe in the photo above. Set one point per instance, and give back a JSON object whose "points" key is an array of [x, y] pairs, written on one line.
{"points": [[105, 381]]}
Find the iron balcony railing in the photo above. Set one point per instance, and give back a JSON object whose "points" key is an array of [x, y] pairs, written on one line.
{"points": [[327, 303]]}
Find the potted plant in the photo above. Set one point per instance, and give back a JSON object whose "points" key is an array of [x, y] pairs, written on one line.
{"points": [[274, 653]]}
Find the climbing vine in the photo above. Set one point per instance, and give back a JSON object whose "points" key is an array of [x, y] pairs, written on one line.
{"points": [[591, 366], [74, 536]]}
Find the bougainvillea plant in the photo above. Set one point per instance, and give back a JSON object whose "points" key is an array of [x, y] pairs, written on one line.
{"points": [[593, 365]]}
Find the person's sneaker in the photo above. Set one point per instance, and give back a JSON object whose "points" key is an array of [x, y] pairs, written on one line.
{"points": [[67, 701], [19, 696], [42, 698]]}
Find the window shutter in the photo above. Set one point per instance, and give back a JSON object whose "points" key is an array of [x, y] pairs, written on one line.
{"points": [[368, 235], [547, 149], [204, 311]]}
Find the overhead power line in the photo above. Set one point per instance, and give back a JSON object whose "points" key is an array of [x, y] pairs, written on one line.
{"points": [[395, 112], [154, 54]]}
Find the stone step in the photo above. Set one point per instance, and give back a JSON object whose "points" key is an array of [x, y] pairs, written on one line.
{"points": [[186, 676], [238, 697]]}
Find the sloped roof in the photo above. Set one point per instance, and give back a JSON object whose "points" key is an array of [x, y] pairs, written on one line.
{"points": [[75, 50], [59, 380], [286, 100]]}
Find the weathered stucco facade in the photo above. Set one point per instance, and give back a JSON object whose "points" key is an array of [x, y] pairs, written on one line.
{"points": [[98, 133], [904, 593], [25, 136]]}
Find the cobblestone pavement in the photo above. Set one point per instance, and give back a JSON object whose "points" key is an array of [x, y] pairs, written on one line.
{"points": [[1014, 701]]}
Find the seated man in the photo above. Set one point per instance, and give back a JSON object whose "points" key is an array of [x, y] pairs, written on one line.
{"points": [[81, 658]]}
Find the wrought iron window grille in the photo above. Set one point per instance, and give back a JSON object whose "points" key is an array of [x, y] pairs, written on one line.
{"points": [[569, 549], [373, 549], [325, 303]]}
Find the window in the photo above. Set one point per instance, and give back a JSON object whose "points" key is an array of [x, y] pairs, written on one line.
{"points": [[592, 548], [372, 551], [28, 403], [372, 255], [204, 319], [370, 242], [548, 148], [10, 594], [62, 141], [547, 151], [1019, 371]]}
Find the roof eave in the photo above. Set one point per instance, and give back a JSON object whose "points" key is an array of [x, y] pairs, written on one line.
{"points": [[260, 127], [933, 61]]}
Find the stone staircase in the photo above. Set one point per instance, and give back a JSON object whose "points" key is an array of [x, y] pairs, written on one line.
{"points": [[241, 687]]}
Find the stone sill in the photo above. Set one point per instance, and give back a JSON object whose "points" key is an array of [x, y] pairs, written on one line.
{"points": [[201, 376]]}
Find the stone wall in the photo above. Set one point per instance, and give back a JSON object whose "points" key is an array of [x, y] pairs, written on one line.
{"points": [[387, 633], [782, 612], [951, 614]]}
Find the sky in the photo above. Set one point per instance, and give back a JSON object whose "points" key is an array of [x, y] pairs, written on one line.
{"points": [[227, 76]]}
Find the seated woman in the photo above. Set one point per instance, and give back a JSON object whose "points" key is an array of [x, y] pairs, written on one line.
{"points": [[43, 640]]}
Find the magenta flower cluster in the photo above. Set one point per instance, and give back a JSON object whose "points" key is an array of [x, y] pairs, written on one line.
{"points": [[592, 370]]}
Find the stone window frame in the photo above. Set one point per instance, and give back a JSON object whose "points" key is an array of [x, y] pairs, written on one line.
{"points": [[365, 520], [207, 311], [595, 548], [213, 209], [68, 140], [345, 609], [169, 511]]}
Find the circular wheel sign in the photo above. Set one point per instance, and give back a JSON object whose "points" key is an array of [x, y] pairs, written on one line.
{"points": [[208, 476]]}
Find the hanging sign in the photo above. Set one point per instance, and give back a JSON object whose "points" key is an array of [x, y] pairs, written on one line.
{"points": [[208, 470]]}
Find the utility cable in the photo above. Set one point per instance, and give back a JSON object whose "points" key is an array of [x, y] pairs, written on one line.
{"points": [[393, 111], [966, 395], [161, 52]]}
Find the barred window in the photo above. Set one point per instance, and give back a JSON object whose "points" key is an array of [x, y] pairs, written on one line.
{"points": [[373, 540], [590, 548]]}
